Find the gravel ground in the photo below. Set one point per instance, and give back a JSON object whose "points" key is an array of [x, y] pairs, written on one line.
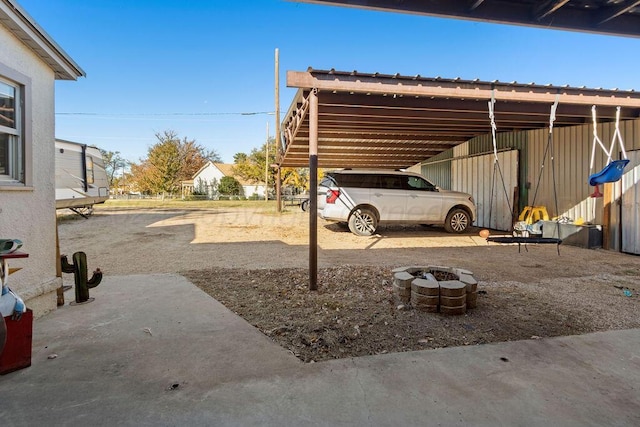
{"points": [[256, 263], [354, 312]]}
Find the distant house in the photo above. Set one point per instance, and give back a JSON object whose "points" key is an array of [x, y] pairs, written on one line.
{"points": [[30, 63], [205, 182]]}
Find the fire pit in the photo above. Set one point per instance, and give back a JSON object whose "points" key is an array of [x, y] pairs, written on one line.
{"points": [[436, 289]]}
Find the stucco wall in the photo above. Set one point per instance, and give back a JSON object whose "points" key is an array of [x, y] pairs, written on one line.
{"points": [[28, 213]]}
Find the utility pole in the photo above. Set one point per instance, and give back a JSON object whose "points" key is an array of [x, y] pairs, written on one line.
{"points": [[266, 167], [123, 183], [277, 138]]}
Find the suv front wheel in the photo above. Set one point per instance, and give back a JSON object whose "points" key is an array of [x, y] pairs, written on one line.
{"points": [[458, 220], [363, 222]]}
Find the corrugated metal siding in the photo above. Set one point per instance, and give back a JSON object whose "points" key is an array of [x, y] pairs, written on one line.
{"points": [[570, 159], [438, 173], [475, 175], [504, 141], [438, 169], [630, 218], [572, 151], [461, 150]]}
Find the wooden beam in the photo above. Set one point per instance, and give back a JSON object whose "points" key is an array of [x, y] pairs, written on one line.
{"points": [[606, 215], [475, 5], [415, 114], [617, 11], [465, 106], [383, 135], [548, 8], [460, 90], [377, 145]]}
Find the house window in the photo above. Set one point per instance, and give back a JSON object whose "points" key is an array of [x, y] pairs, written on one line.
{"points": [[11, 132]]}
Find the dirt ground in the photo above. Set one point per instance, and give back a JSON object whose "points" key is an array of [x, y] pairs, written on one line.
{"points": [[256, 262]]}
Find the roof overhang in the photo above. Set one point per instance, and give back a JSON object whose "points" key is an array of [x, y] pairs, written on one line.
{"points": [[31, 34], [393, 121], [612, 17]]}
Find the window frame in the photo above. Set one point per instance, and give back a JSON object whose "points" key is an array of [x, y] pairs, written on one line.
{"points": [[22, 132], [426, 184]]}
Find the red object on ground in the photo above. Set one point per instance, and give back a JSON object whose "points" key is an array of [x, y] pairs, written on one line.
{"points": [[17, 350]]}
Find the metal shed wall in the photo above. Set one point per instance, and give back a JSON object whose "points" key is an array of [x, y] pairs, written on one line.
{"points": [[630, 130], [440, 172], [572, 150], [506, 141], [630, 206], [475, 175], [438, 169]]}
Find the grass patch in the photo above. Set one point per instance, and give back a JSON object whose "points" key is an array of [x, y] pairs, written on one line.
{"points": [[269, 206]]}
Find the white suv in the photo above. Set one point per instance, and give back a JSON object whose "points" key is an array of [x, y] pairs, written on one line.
{"points": [[366, 198]]}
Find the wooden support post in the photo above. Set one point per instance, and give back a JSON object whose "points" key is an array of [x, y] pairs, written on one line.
{"points": [[606, 215], [313, 190]]}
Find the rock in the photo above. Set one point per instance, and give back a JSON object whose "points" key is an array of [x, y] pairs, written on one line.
{"points": [[452, 288], [453, 301], [425, 287]]}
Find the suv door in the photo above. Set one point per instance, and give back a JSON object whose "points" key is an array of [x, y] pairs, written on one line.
{"points": [[389, 196], [424, 202]]}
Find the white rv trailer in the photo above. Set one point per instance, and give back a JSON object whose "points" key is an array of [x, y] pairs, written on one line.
{"points": [[81, 179]]}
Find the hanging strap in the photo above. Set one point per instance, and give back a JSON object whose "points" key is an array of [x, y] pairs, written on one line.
{"points": [[617, 137], [496, 163], [596, 140], [493, 125], [548, 148], [552, 116]]}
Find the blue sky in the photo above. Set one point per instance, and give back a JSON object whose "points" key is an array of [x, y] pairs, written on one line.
{"points": [[191, 66]]}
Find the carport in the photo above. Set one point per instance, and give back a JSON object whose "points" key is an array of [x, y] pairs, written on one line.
{"points": [[351, 119]]}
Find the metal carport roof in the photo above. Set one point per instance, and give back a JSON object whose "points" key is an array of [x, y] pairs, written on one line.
{"points": [[394, 121]]}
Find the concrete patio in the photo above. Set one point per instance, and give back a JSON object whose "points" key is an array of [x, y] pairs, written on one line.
{"points": [[156, 350]]}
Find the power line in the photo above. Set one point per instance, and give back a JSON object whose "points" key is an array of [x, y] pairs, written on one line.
{"points": [[251, 113]]}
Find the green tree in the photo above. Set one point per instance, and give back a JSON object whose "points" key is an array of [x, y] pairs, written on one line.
{"points": [[296, 178], [229, 186], [113, 162], [170, 161], [252, 167], [239, 157]]}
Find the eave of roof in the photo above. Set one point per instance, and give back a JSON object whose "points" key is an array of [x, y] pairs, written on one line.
{"points": [[24, 27], [619, 18]]}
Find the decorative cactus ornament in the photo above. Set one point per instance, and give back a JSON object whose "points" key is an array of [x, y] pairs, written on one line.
{"points": [[79, 270]]}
